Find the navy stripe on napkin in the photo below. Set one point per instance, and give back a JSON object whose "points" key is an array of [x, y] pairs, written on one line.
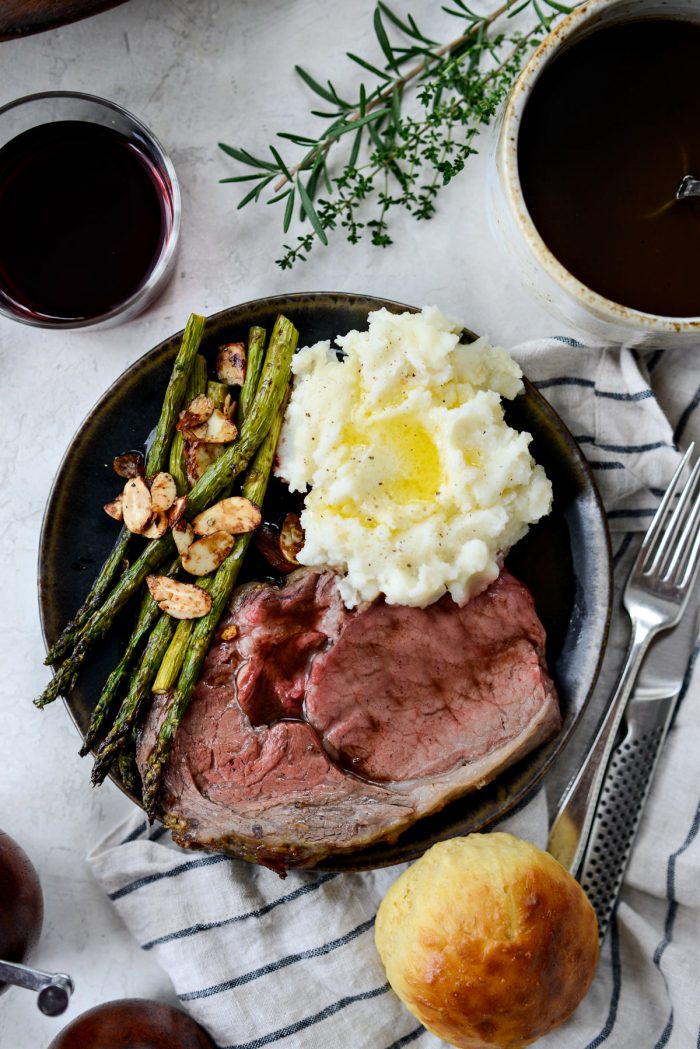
{"points": [[589, 384], [309, 1021], [616, 987], [685, 417], [281, 963], [205, 861], [408, 1038], [259, 912]]}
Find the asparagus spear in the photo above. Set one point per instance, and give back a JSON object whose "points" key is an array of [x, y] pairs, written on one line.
{"points": [[217, 393], [173, 659], [101, 620], [128, 770], [139, 688], [203, 631], [71, 630], [254, 363], [272, 390], [148, 614], [197, 384], [175, 393], [155, 461]]}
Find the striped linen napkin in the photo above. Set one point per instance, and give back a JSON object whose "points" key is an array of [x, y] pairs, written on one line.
{"points": [[292, 964]]}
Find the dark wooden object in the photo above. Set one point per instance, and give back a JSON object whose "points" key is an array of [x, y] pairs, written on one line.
{"points": [[21, 903], [22, 17], [133, 1023]]}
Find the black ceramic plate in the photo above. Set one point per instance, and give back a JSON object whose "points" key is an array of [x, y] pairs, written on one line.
{"points": [[565, 559]]}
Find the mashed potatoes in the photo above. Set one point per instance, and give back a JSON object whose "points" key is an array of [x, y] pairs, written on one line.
{"points": [[418, 486]]}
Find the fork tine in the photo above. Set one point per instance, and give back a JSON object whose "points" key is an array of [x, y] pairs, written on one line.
{"points": [[649, 541], [668, 547], [683, 558], [694, 558]]}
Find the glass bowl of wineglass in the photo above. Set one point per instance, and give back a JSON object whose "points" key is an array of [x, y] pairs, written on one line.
{"points": [[89, 209]]}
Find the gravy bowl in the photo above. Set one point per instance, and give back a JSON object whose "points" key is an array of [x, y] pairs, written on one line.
{"points": [[598, 318]]}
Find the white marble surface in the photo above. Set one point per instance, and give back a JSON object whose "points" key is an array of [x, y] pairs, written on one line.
{"points": [[197, 71]]}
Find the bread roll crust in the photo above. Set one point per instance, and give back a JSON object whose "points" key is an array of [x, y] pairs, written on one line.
{"points": [[488, 941]]}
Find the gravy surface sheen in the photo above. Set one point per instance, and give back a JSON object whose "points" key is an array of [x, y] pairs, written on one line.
{"points": [[610, 129]]}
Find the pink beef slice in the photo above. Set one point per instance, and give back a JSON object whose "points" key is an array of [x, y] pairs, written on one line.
{"points": [[408, 692], [318, 730]]}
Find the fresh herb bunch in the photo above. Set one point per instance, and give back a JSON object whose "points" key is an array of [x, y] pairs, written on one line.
{"points": [[398, 154]]}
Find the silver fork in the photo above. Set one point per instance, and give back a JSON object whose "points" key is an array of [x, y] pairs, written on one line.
{"points": [[655, 596]]}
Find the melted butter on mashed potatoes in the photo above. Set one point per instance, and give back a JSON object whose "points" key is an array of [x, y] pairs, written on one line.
{"points": [[417, 485]]}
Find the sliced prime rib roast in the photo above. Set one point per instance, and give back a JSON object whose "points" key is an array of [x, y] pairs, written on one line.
{"points": [[319, 730]]}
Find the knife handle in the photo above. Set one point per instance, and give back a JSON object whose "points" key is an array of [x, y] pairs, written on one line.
{"points": [[624, 793], [571, 826]]}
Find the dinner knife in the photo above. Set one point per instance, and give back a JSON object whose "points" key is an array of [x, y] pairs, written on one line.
{"points": [[626, 788]]}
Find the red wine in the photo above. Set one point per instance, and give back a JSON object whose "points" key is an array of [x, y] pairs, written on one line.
{"points": [[610, 129], [82, 220]]}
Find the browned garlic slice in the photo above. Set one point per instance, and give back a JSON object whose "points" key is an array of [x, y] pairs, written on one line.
{"points": [[136, 505], [218, 429], [205, 555], [196, 413], [267, 540], [183, 536], [129, 464], [235, 515], [291, 537], [179, 600], [114, 509], [199, 457], [229, 632], [158, 526], [177, 510], [163, 491], [231, 364]]}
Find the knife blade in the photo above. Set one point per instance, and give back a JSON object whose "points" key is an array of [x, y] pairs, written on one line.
{"points": [[631, 771]]}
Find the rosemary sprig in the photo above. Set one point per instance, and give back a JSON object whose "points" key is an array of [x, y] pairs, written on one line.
{"points": [[401, 145]]}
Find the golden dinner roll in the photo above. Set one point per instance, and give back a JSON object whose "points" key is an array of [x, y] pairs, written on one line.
{"points": [[488, 941]]}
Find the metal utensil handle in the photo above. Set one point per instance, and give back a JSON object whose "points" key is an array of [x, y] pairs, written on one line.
{"points": [[54, 989], [625, 791], [569, 832]]}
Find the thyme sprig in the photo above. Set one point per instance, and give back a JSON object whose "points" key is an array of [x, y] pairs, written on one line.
{"points": [[401, 147]]}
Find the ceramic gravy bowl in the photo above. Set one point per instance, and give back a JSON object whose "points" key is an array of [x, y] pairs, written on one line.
{"points": [[558, 290]]}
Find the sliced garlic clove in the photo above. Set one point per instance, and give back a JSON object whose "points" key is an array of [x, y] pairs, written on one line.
{"points": [[114, 509], [136, 505], [130, 464], [291, 538], [205, 555], [157, 527], [218, 429], [231, 364], [229, 632], [199, 457], [179, 600], [235, 515], [196, 413], [163, 491], [267, 540], [183, 535], [177, 510]]}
